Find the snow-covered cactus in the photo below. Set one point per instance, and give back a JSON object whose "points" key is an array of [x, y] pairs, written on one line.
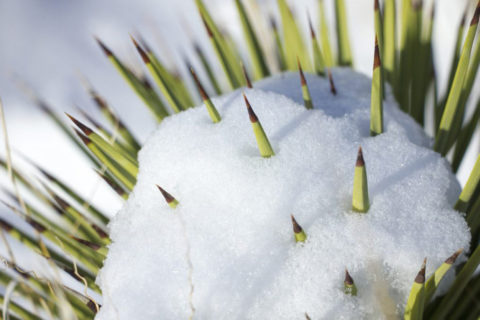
{"points": [[254, 201]]}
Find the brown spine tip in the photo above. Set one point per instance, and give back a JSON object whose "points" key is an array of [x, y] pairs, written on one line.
{"points": [[61, 202], [333, 90], [303, 82], [168, 197], [376, 5], [417, 5], [35, 225], [453, 257], [360, 160], [245, 75], [142, 52], [112, 184], [476, 15], [420, 278], [307, 317], [91, 245], [202, 91], [85, 140], [102, 234], [251, 113], [296, 227], [209, 31], [348, 279], [105, 49], [86, 130], [312, 31], [376, 62], [99, 101]]}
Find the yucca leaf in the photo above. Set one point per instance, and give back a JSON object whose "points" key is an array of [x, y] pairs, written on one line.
{"points": [[307, 99], [416, 299], [299, 234], [452, 104], [376, 104], [260, 68], [389, 44], [292, 39], [207, 68], [212, 111], [465, 198], [263, 143], [349, 285], [464, 138], [318, 61], [360, 199], [148, 97], [325, 36], [246, 77], [433, 282], [169, 199], [225, 55], [345, 57], [113, 185], [280, 51], [113, 167], [453, 294]]}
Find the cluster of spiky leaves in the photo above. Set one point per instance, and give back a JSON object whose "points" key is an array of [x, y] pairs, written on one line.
{"points": [[403, 58]]}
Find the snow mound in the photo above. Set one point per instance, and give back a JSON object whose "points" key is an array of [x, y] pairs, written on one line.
{"points": [[233, 221]]}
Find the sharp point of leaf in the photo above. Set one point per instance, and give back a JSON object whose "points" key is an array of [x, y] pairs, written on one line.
{"points": [[273, 23], [207, 27], [202, 91], [82, 137], [245, 75], [140, 50], [86, 130], [105, 49], [348, 279], [476, 15], [420, 278], [168, 197], [91, 245], [376, 62], [453, 257], [251, 113], [302, 76], [360, 161], [312, 31], [296, 227], [376, 5], [333, 89]]}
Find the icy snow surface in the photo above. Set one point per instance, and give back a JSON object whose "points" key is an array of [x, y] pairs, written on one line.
{"points": [[235, 208]]}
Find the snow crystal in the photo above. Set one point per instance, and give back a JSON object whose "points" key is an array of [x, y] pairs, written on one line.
{"points": [[233, 221]]}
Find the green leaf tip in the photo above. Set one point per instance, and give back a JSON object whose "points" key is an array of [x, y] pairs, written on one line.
{"points": [[263, 143], [349, 285], [307, 99], [376, 104], [416, 299], [212, 111], [171, 201], [360, 200], [300, 235]]}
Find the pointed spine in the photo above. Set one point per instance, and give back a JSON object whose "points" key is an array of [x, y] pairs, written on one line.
{"points": [[263, 143], [307, 99], [376, 104], [300, 235], [171, 201], [360, 200], [416, 299], [434, 281], [318, 61], [212, 111], [246, 77], [349, 285], [333, 89]]}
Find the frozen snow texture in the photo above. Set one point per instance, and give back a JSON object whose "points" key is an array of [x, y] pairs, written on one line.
{"points": [[235, 208]]}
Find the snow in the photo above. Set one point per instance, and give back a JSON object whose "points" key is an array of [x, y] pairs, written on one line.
{"points": [[233, 221]]}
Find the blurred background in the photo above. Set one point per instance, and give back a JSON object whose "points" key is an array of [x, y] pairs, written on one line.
{"points": [[48, 46]]}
